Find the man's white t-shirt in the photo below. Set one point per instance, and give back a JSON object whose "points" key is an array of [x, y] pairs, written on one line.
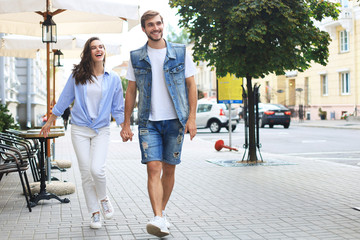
{"points": [[93, 95], [162, 107]]}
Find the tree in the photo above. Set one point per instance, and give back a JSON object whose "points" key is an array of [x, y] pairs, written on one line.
{"points": [[124, 83], [182, 37], [200, 94], [6, 119], [252, 38]]}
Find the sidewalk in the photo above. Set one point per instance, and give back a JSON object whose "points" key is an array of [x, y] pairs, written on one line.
{"points": [[327, 123], [305, 199]]}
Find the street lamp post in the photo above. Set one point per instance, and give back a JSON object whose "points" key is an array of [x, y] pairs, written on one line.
{"points": [[57, 62], [48, 36]]}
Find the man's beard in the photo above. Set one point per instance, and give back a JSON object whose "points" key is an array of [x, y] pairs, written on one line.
{"points": [[153, 39]]}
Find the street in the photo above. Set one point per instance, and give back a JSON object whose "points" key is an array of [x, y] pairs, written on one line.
{"points": [[328, 144]]}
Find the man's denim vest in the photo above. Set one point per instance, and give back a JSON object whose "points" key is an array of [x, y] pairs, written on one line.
{"points": [[174, 70]]}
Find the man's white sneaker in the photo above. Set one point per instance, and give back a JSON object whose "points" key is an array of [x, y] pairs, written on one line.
{"points": [[157, 227], [95, 221], [107, 208], [167, 223]]}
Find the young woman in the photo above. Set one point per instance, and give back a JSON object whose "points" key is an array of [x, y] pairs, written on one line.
{"points": [[96, 93]]}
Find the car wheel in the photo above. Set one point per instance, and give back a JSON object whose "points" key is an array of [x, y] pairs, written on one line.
{"points": [[233, 127], [286, 125], [214, 126], [271, 126]]}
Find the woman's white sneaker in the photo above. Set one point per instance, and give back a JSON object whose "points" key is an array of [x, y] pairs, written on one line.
{"points": [[95, 221], [107, 208]]}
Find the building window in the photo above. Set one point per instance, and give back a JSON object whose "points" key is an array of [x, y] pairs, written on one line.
{"points": [[344, 41], [345, 83], [324, 85], [344, 3]]}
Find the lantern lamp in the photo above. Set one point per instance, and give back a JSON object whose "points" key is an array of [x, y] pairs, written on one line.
{"points": [[49, 30], [59, 58]]}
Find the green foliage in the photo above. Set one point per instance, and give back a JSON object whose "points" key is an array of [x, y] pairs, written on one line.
{"points": [[125, 84], [182, 37], [252, 38], [6, 119], [322, 114], [200, 94]]}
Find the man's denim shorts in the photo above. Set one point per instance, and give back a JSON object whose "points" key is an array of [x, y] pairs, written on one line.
{"points": [[161, 141]]}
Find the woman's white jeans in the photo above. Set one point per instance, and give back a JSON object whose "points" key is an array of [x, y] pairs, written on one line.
{"points": [[91, 150]]}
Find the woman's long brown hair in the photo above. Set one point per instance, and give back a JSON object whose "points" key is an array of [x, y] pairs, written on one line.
{"points": [[83, 71]]}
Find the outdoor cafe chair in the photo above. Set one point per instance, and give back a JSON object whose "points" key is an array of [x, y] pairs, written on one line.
{"points": [[14, 134], [29, 151], [11, 161]]}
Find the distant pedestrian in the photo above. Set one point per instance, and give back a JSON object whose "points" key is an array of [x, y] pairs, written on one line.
{"points": [[164, 75], [65, 117], [96, 93]]}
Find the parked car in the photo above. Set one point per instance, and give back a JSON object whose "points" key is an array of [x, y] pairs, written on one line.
{"points": [[210, 114], [274, 114], [134, 120]]}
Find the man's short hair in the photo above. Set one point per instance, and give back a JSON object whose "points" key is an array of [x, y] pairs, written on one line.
{"points": [[149, 15]]}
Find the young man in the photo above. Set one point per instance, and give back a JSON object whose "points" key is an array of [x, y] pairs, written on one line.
{"points": [[164, 75]]}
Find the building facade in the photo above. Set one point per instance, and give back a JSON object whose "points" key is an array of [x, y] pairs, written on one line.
{"points": [[23, 89], [205, 76]]}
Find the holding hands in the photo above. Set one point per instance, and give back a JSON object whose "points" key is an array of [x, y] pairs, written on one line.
{"points": [[126, 133]]}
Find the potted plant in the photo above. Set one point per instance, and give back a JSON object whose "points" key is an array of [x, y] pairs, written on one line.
{"points": [[322, 114]]}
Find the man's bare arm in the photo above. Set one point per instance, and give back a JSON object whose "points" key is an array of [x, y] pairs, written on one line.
{"points": [[192, 96], [130, 99]]}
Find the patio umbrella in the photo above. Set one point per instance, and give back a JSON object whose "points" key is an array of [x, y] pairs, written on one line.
{"points": [[71, 17], [30, 47]]}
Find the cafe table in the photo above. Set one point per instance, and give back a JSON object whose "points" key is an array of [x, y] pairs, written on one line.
{"points": [[50, 166], [35, 134]]}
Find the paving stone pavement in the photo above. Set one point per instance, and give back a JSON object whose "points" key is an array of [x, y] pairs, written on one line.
{"points": [[305, 199]]}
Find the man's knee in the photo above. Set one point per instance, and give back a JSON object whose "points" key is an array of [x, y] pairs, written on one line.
{"points": [[154, 168]]}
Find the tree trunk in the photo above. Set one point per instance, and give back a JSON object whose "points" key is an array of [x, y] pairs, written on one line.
{"points": [[252, 140]]}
